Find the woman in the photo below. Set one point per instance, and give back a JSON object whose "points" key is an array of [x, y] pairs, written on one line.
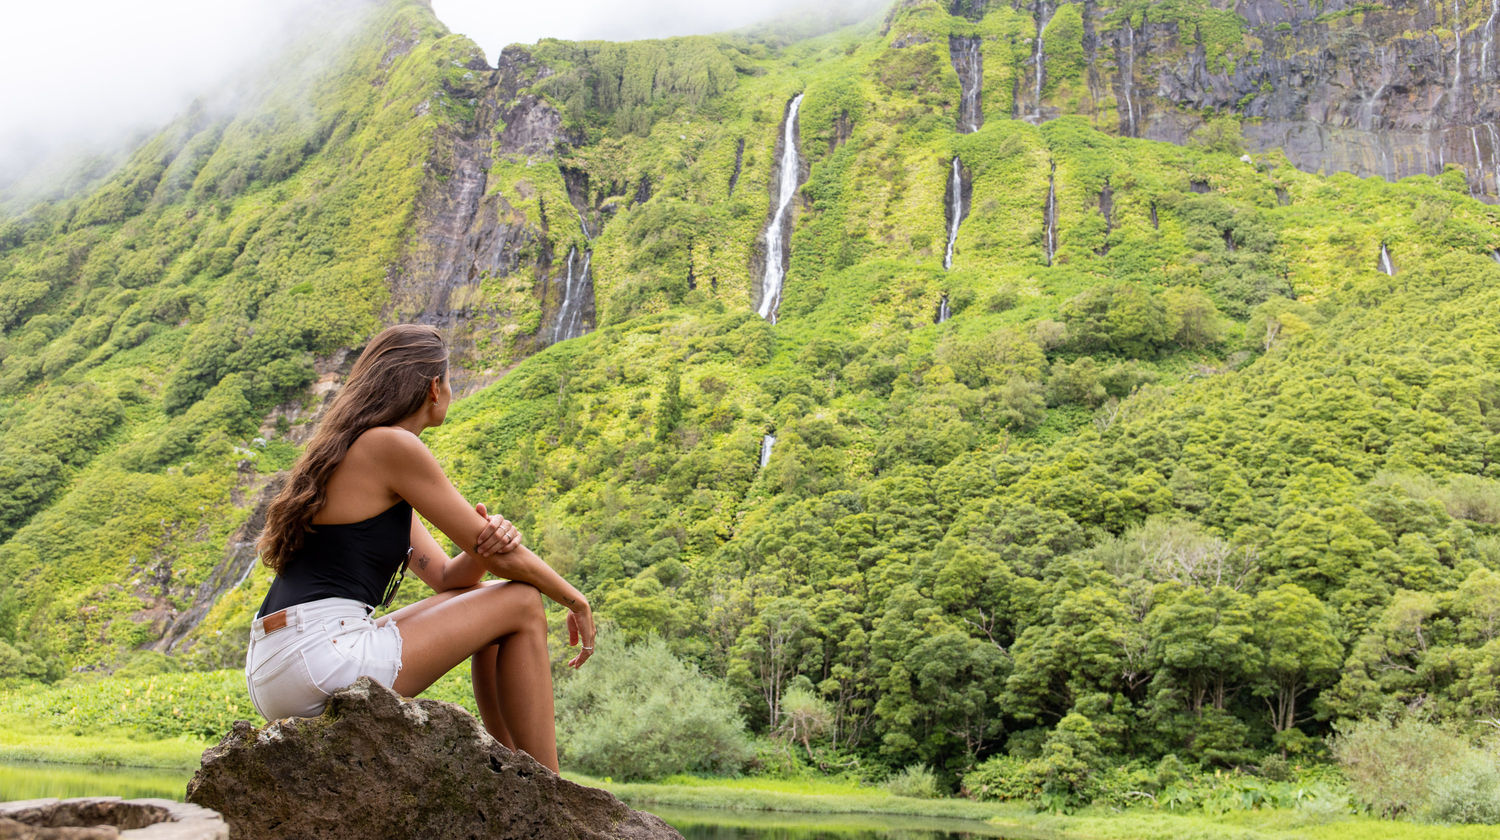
{"points": [[343, 527]]}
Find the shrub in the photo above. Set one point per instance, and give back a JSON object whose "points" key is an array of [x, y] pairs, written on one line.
{"points": [[1002, 300], [1391, 765], [1000, 778], [643, 713], [1276, 768], [1469, 792], [916, 781]]}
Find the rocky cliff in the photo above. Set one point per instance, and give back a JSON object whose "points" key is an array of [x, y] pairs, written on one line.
{"points": [[1390, 89]]}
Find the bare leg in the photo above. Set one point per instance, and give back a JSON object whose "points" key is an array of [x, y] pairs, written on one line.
{"points": [[485, 669], [441, 631]]}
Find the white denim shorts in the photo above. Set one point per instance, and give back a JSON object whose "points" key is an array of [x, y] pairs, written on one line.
{"points": [[324, 646]]}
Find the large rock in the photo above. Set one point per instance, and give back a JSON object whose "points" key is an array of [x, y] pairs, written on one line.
{"points": [[377, 765]]}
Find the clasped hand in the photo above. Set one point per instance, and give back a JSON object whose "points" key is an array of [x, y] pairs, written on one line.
{"points": [[498, 535]]}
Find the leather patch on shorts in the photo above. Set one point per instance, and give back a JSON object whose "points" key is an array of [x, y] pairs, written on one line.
{"points": [[273, 622]]}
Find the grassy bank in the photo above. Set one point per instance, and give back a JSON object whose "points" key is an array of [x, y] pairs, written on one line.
{"points": [[20, 741]]}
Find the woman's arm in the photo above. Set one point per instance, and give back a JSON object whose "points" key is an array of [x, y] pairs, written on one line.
{"points": [[433, 565], [416, 476]]}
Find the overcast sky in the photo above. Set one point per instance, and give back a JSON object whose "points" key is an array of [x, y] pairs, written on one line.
{"points": [[98, 72], [493, 24]]}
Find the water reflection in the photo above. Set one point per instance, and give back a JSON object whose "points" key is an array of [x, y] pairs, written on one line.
{"points": [[702, 824]]}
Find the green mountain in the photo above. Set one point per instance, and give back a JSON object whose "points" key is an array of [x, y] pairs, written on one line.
{"points": [[1034, 437]]}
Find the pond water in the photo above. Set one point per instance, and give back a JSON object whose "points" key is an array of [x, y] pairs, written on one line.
{"points": [[29, 780]]}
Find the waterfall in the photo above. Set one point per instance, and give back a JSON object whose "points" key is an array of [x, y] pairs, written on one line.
{"points": [[765, 449], [969, 65], [1386, 267], [1369, 120], [955, 210], [1478, 158], [1127, 80], [976, 61], [770, 284], [1494, 154], [1489, 38], [1049, 220], [576, 288], [1039, 55], [1458, 45], [1107, 210], [944, 313], [1496, 255], [251, 567]]}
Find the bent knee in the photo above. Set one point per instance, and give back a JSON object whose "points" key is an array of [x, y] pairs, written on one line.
{"points": [[523, 598]]}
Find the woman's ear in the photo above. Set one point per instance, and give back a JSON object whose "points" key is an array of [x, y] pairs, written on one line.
{"points": [[434, 388]]}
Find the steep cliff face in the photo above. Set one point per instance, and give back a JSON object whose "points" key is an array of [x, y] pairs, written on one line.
{"points": [[1393, 90], [469, 230]]}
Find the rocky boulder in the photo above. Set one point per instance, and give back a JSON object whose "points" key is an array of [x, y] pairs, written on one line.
{"points": [[378, 765]]}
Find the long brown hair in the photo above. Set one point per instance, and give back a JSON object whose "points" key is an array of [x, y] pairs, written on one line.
{"points": [[389, 383]]}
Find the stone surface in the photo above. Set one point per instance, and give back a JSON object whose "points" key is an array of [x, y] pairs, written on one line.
{"points": [[102, 818], [377, 765], [1395, 89]]}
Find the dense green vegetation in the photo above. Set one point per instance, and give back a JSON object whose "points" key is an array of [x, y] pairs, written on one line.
{"points": [[1179, 502]]}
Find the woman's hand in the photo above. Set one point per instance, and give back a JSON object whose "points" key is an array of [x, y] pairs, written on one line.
{"points": [[498, 535], [581, 628]]}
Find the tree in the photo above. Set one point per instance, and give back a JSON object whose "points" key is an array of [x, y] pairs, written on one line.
{"points": [[1204, 642], [669, 410], [1302, 653]]}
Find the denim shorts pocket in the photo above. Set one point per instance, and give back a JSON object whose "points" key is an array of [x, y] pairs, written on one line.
{"points": [[329, 663], [283, 687], [365, 649]]}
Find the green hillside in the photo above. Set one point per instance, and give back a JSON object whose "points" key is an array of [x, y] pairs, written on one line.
{"points": [[1197, 478]]}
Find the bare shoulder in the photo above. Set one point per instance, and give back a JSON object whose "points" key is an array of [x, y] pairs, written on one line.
{"points": [[387, 443]]}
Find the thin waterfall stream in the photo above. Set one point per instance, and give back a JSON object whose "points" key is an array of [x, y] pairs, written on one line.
{"points": [[958, 209], [1386, 266], [943, 313], [968, 63], [1489, 38], [776, 252], [1039, 56], [1458, 45], [1049, 218], [1127, 78], [576, 288], [766, 443]]}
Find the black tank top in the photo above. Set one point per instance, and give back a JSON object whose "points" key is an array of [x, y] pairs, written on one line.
{"points": [[349, 560]]}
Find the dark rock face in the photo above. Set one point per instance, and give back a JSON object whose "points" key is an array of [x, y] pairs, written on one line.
{"points": [[1392, 90], [377, 765], [441, 260], [464, 231]]}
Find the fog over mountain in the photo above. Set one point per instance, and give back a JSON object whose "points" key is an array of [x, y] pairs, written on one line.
{"points": [[493, 25], [87, 77]]}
